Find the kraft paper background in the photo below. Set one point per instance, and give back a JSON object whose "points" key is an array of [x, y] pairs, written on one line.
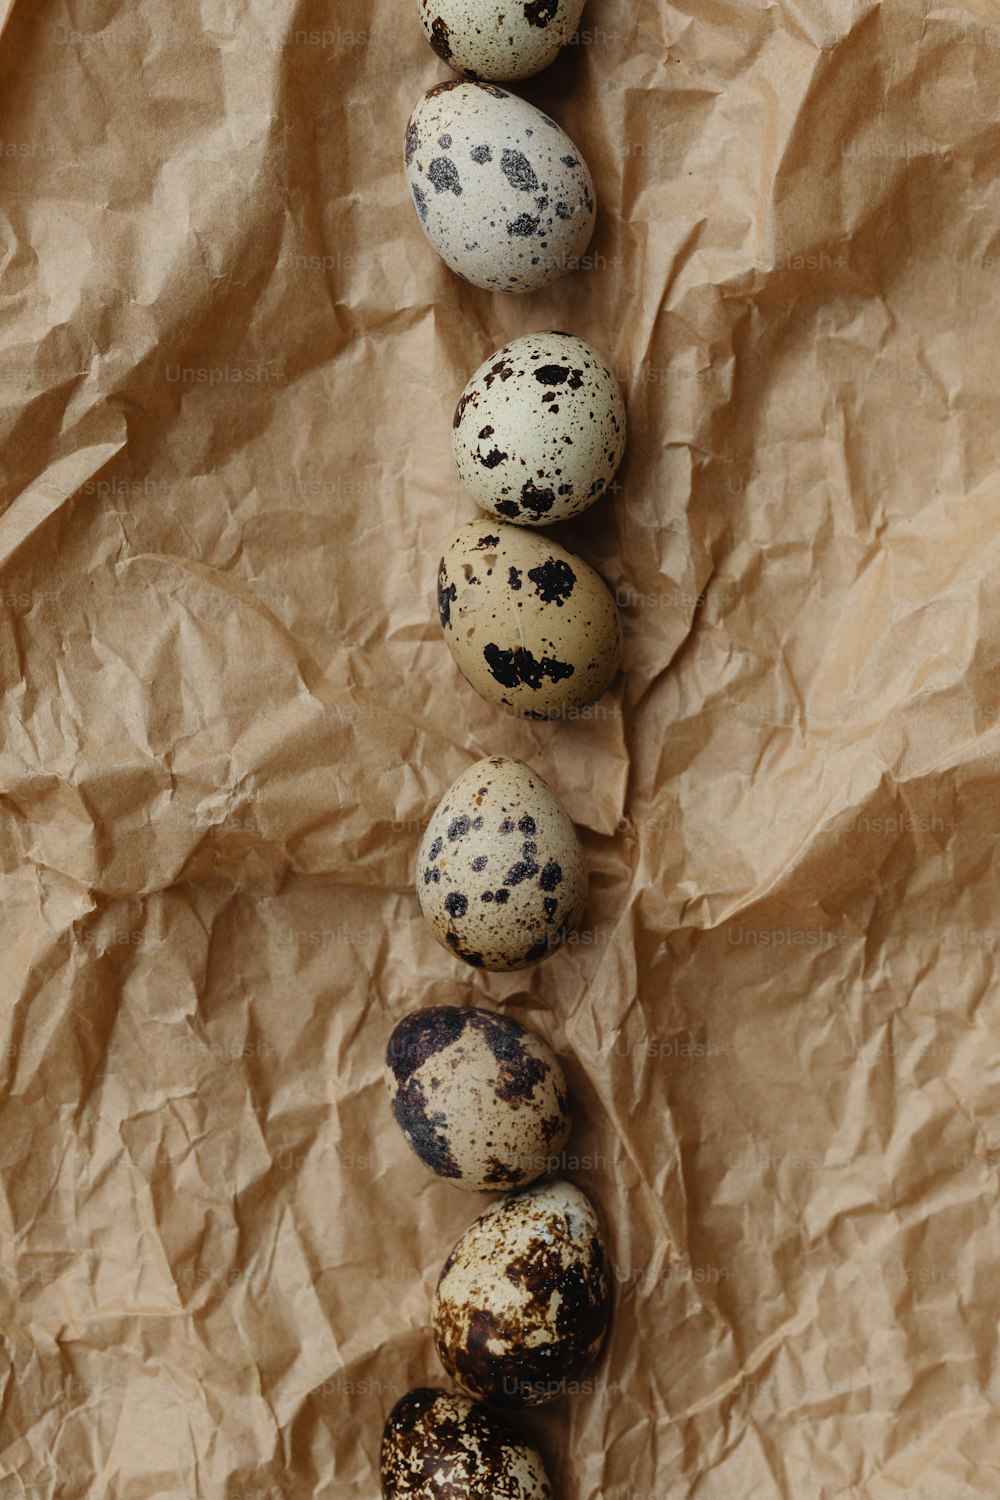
{"points": [[229, 361]]}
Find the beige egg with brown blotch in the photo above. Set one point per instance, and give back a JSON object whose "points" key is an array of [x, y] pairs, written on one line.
{"points": [[522, 1303], [437, 1445], [530, 625], [480, 1098]]}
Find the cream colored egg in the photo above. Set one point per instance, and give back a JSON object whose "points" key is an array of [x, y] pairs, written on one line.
{"points": [[522, 1303], [539, 430], [502, 193], [440, 1446], [531, 626], [486, 40], [481, 1100], [500, 873]]}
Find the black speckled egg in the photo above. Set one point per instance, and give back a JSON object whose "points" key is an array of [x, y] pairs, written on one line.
{"points": [[440, 1446], [484, 40], [539, 431], [531, 626], [500, 190], [481, 1100], [500, 873]]}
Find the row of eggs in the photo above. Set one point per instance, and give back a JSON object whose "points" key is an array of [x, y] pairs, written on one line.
{"points": [[522, 1302]]}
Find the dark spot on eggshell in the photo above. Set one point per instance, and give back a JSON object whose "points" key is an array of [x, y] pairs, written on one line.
{"points": [[563, 211], [412, 138], [551, 906], [491, 459], [502, 370], [536, 501], [523, 226], [527, 824], [507, 826], [596, 488], [554, 580], [502, 896], [464, 401], [540, 12], [432, 876], [522, 869], [499, 1174], [514, 579], [455, 904], [419, 199], [507, 508], [424, 1129], [551, 876], [569, 161], [459, 827], [518, 171], [446, 595], [419, 1036], [470, 956], [442, 88], [479, 863], [435, 849], [443, 173], [439, 38], [481, 154], [486, 432], [487, 541], [517, 666], [489, 88]]}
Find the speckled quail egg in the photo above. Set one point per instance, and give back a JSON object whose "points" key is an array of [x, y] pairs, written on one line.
{"points": [[481, 1100], [502, 193], [522, 1303], [539, 430], [439, 1446], [485, 40], [500, 873], [531, 626]]}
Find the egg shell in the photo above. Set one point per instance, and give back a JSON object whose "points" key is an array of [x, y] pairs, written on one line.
{"points": [[440, 1446], [500, 873], [522, 1303], [539, 431], [502, 193], [531, 626], [481, 1100], [486, 40]]}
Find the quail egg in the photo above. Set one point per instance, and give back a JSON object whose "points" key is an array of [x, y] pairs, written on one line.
{"points": [[481, 1100], [439, 1446], [500, 873], [539, 430], [531, 626], [499, 41], [522, 1303], [501, 192]]}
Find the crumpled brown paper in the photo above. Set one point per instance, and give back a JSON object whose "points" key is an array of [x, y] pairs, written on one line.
{"points": [[229, 362]]}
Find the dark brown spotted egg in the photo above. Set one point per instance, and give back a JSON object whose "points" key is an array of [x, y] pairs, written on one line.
{"points": [[522, 1303], [439, 1446], [531, 626], [501, 192], [481, 1100], [539, 431], [500, 873], [484, 40]]}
